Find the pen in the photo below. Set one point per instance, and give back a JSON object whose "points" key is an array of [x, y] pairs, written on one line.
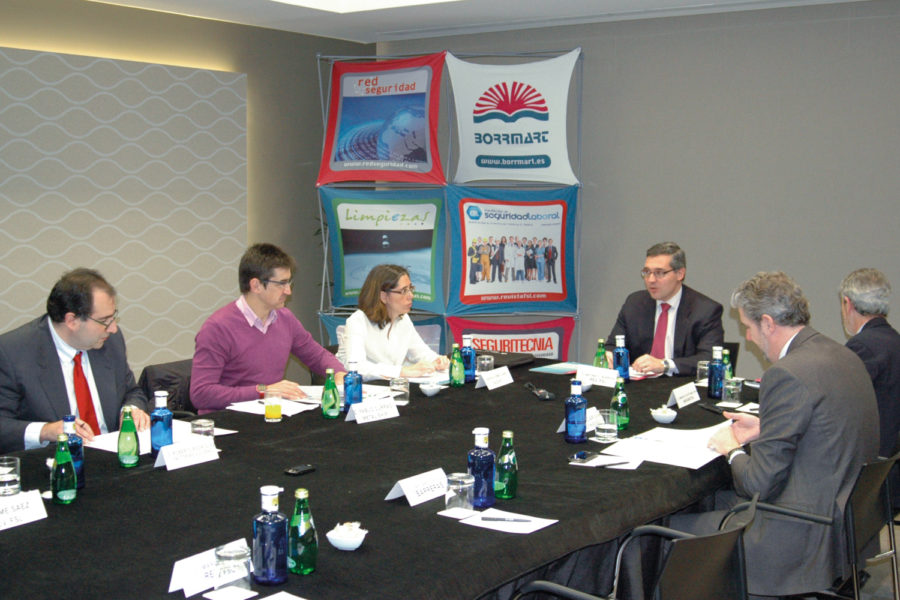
{"points": [[507, 519], [624, 462]]}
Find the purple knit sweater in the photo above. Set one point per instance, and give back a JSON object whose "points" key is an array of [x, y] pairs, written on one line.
{"points": [[231, 356]]}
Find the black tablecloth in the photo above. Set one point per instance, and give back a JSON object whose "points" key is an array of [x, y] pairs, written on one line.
{"points": [[127, 527]]}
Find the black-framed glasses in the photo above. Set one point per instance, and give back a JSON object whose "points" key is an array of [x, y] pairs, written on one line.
{"points": [[282, 283], [657, 274], [407, 291], [107, 323]]}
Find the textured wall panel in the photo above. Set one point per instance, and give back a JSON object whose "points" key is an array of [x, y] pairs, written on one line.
{"points": [[135, 169]]}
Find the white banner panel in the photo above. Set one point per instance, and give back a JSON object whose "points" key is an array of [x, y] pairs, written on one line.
{"points": [[511, 119]]}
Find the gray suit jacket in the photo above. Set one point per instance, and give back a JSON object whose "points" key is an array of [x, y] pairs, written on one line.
{"points": [[32, 387], [818, 425]]}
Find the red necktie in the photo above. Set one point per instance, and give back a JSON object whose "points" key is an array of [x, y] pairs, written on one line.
{"points": [[659, 338], [83, 396]]}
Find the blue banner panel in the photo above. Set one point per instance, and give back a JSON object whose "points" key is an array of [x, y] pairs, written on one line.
{"points": [[402, 227], [512, 250]]}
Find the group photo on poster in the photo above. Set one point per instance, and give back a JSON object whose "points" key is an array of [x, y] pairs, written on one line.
{"points": [[369, 228], [511, 248]]}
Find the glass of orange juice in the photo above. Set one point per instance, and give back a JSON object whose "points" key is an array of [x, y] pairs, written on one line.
{"points": [[273, 407]]}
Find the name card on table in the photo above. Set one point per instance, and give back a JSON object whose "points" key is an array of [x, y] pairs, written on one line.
{"points": [[494, 378], [420, 488], [597, 376], [376, 409], [21, 508], [684, 395], [591, 421], [193, 450], [197, 573]]}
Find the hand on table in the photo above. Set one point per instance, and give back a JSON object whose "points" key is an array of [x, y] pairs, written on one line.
{"points": [[420, 369], [441, 363], [745, 426], [141, 419], [649, 364], [289, 390]]}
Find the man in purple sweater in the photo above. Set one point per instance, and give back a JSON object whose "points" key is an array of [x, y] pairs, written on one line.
{"points": [[242, 350]]}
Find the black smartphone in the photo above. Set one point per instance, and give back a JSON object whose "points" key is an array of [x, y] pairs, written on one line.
{"points": [[299, 470], [583, 456], [540, 392]]}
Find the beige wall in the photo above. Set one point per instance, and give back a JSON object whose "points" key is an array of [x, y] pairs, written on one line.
{"points": [[757, 140], [284, 123]]}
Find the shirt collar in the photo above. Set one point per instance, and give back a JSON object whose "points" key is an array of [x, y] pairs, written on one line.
{"points": [[62, 348], [787, 345], [673, 302], [252, 319]]}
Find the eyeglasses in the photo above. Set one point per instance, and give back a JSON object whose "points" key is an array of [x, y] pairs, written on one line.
{"points": [[107, 323], [407, 291], [282, 283], [657, 274]]}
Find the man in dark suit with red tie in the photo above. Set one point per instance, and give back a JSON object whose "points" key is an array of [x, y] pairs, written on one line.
{"points": [[668, 326], [70, 361]]}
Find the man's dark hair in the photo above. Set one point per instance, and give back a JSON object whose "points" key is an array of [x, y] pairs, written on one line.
{"points": [[677, 260], [74, 293], [260, 262]]}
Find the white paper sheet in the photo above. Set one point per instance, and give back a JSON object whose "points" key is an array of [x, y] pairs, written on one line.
{"points": [[511, 523], [679, 447], [180, 430]]}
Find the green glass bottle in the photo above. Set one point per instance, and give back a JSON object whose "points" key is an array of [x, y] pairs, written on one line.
{"points": [[331, 400], [620, 404], [507, 469], [726, 362], [63, 481], [457, 369], [600, 356], [129, 447], [303, 542]]}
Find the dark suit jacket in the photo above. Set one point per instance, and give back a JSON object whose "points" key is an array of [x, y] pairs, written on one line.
{"points": [[878, 345], [698, 327], [818, 425], [32, 387]]}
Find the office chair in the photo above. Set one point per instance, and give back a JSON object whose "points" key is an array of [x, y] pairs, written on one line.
{"points": [[868, 511], [708, 567], [175, 378]]}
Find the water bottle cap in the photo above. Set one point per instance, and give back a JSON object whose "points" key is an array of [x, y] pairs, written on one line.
{"points": [[69, 418], [620, 340], [507, 433], [301, 493], [62, 437], [270, 490], [481, 431]]}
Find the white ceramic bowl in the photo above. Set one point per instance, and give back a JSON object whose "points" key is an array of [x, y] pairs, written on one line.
{"points": [[663, 415], [430, 389], [343, 539]]}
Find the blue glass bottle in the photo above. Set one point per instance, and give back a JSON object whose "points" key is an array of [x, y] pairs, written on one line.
{"points": [[270, 540], [716, 374], [576, 415], [481, 466], [468, 357], [352, 386], [76, 448], [621, 360], [160, 423]]}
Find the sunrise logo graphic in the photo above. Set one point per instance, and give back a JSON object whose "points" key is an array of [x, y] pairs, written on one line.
{"points": [[509, 103]]}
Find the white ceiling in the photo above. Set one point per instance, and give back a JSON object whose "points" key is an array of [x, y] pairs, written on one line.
{"points": [[451, 18]]}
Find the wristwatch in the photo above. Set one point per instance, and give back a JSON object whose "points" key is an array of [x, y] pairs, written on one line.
{"points": [[734, 452], [261, 389]]}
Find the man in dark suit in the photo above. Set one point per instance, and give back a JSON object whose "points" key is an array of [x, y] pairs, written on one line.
{"points": [[668, 326], [550, 256], [816, 427], [39, 381], [864, 306]]}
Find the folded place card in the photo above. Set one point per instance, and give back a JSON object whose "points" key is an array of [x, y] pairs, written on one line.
{"points": [[684, 395], [597, 376], [21, 508], [193, 450], [420, 488], [376, 409], [196, 573], [494, 378]]}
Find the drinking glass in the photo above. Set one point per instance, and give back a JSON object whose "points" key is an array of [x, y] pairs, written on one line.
{"points": [[10, 473]]}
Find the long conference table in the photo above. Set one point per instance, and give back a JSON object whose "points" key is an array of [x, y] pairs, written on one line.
{"points": [[125, 530]]}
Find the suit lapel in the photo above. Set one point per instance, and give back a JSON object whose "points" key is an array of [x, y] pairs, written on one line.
{"points": [[682, 319], [52, 381]]}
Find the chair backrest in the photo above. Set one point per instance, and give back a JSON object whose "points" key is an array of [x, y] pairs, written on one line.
{"points": [[869, 507], [708, 567], [173, 377]]}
